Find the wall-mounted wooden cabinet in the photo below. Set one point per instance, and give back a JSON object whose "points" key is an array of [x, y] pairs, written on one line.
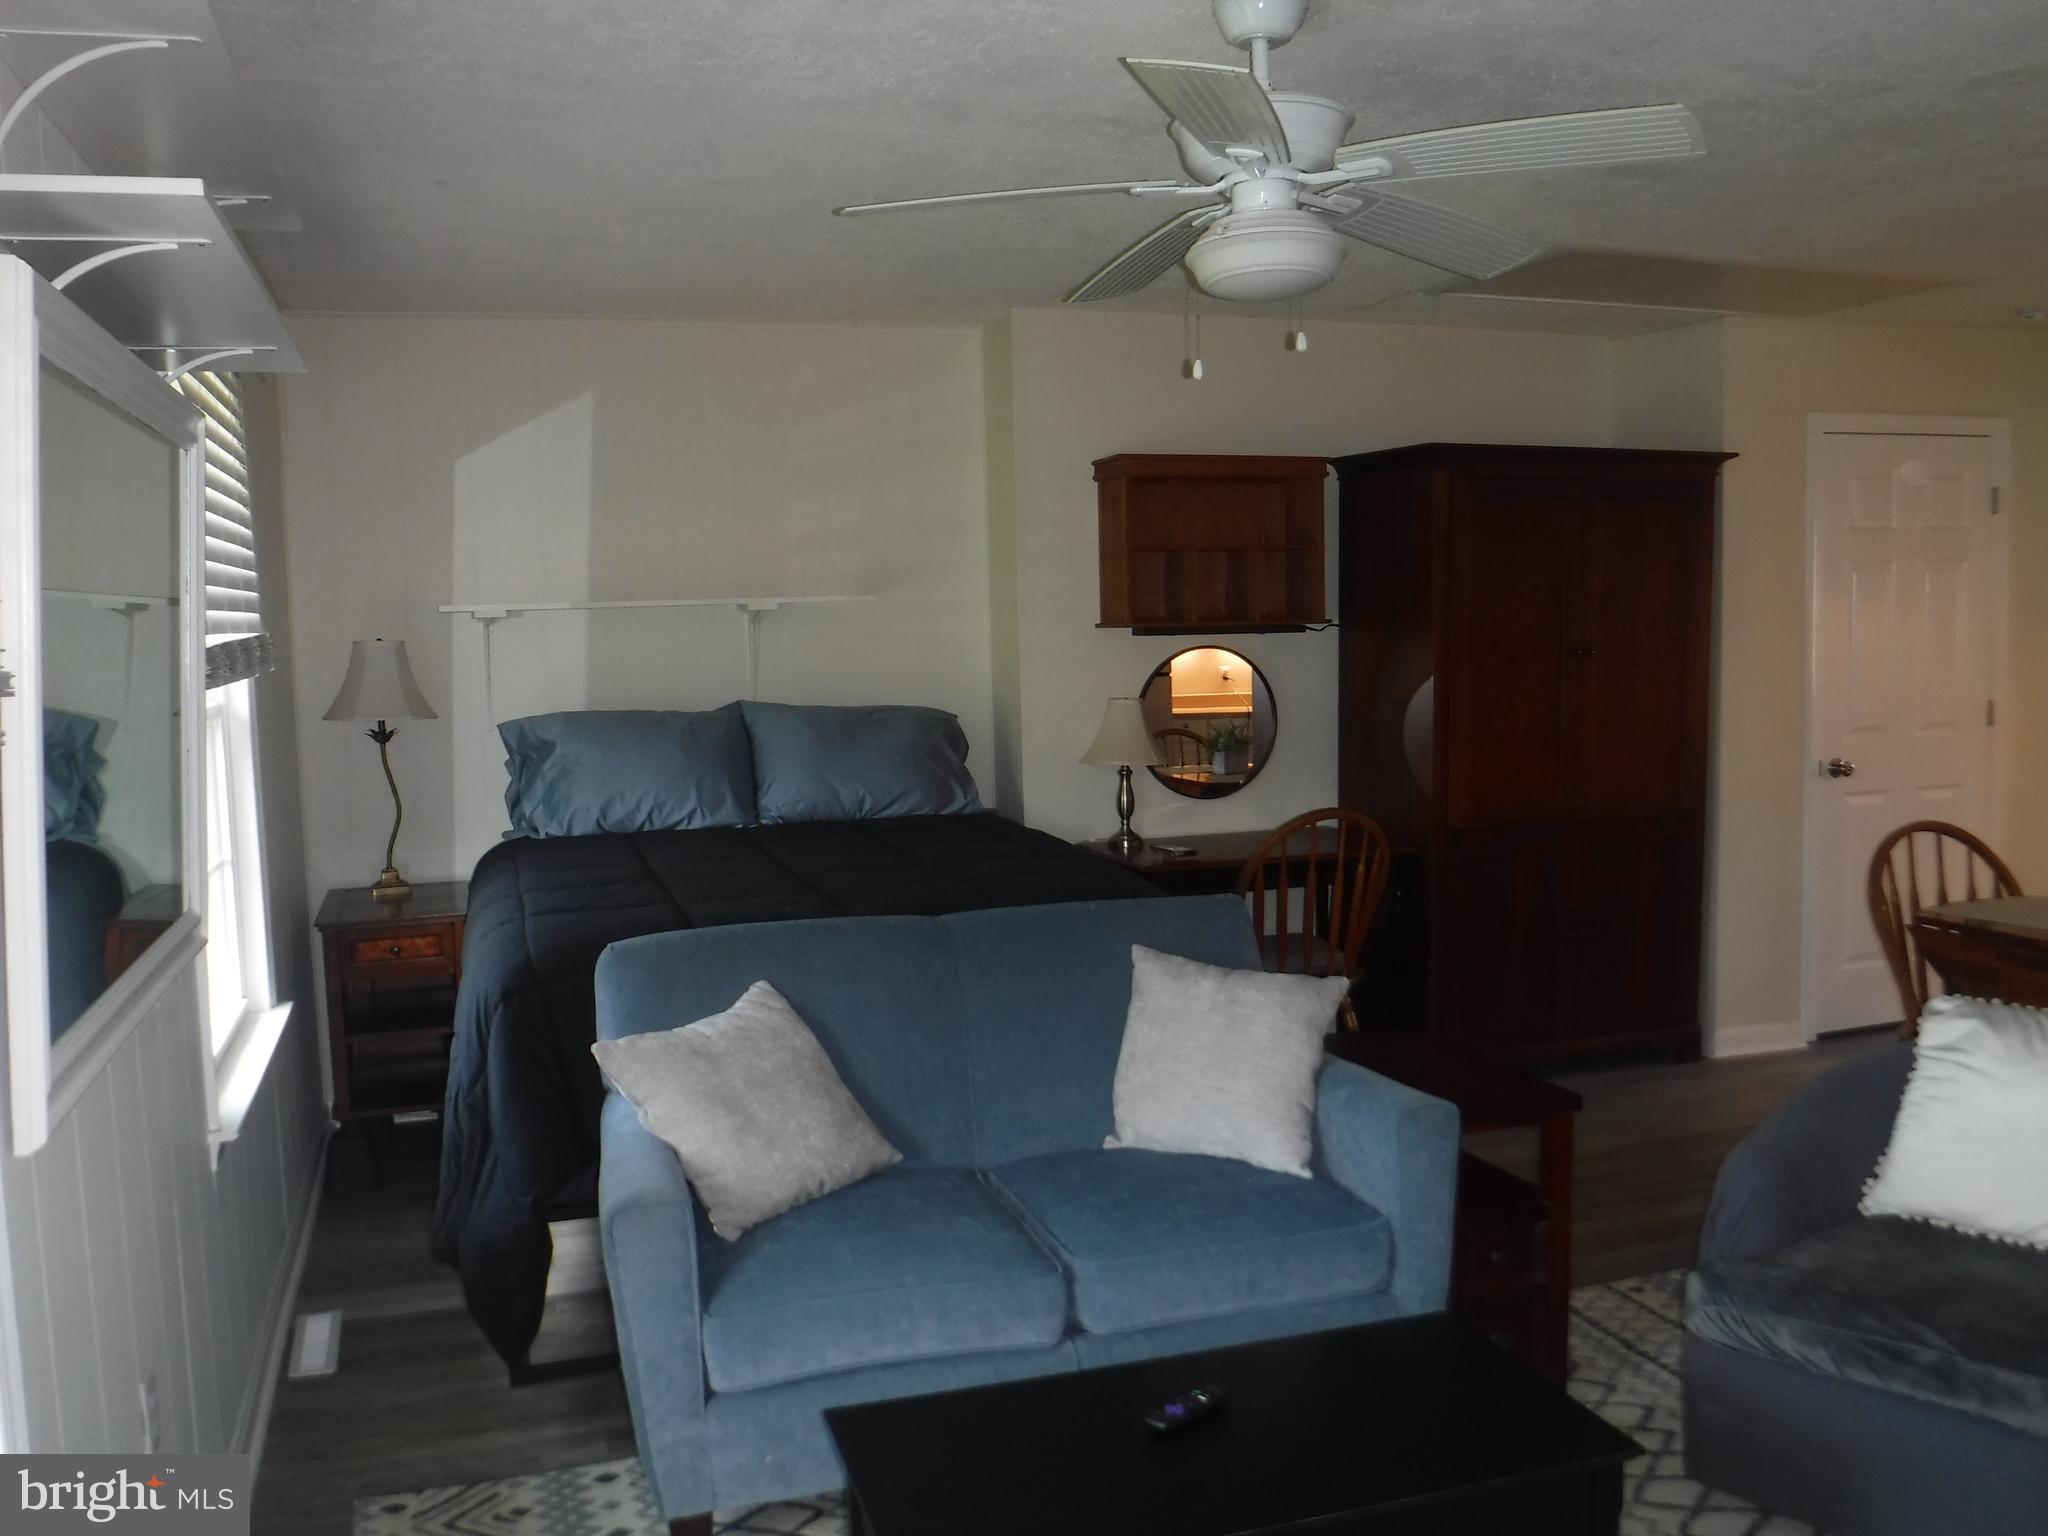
{"points": [[1209, 543]]}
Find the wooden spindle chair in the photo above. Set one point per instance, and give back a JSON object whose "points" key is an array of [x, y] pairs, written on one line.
{"points": [[1331, 940], [1911, 871]]}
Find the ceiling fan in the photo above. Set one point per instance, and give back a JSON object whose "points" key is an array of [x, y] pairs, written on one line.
{"points": [[1276, 188]]}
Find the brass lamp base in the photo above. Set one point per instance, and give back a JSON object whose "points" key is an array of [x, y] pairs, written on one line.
{"points": [[1126, 844], [391, 886]]}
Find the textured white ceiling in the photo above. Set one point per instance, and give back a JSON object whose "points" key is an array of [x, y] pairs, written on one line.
{"points": [[648, 157]]}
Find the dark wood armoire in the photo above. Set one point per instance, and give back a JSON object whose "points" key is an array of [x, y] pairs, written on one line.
{"points": [[1525, 640]]}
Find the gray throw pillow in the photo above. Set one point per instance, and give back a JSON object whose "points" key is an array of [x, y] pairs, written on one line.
{"points": [[752, 1106], [1222, 1062]]}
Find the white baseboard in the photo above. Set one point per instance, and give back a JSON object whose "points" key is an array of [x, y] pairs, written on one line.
{"points": [[1757, 1039], [253, 1424]]}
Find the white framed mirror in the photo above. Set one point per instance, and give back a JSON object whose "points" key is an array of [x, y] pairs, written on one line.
{"points": [[101, 564]]}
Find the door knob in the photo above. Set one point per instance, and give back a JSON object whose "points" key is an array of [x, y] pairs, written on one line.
{"points": [[1839, 768]]}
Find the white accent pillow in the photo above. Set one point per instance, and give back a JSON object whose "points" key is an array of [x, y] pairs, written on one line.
{"points": [[1222, 1062], [1970, 1147], [758, 1117]]}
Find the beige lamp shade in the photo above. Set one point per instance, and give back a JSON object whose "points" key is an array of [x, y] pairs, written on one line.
{"points": [[379, 685], [1124, 740]]}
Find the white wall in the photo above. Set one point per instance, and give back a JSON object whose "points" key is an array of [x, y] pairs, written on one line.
{"points": [[433, 461], [1085, 385], [1776, 373], [128, 1253], [950, 470], [132, 1257]]}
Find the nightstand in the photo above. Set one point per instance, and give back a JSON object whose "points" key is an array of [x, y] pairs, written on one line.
{"points": [[392, 973], [140, 923]]}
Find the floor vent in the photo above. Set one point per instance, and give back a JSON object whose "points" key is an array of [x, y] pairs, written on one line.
{"points": [[316, 1344]]}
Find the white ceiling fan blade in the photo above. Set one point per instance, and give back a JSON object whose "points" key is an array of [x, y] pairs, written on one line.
{"points": [[955, 199], [1145, 262], [1454, 241], [1221, 105], [1536, 143]]}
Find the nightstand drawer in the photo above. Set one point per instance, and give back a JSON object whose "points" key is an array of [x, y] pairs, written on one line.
{"points": [[413, 950]]}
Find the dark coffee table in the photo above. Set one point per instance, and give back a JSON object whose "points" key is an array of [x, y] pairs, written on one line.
{"points": [[1416, 1426]]}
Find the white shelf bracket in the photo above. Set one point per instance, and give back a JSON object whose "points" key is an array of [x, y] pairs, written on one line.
{"points": [[489, 619], [749, 609], [750, 614], [56, 72], [94, 262], [206, 359]]}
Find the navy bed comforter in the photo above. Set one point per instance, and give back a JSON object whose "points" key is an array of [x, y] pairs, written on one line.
{"points": [[519, 1138]]}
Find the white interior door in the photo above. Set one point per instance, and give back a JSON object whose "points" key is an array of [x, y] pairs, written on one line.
{"points": [[1907, 576]]}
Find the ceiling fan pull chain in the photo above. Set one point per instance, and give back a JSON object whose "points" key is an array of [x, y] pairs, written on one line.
{"points": [[1191, 333], [1297, 333]]}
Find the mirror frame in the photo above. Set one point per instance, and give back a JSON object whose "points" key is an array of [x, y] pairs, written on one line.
{"points": [[38, 325], [1273, 699]]}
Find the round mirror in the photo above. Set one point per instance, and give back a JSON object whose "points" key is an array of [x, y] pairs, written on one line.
{"points": [[1211, 717]]}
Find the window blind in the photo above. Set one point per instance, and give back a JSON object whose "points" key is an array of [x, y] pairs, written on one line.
{"points": [[236, 645]]}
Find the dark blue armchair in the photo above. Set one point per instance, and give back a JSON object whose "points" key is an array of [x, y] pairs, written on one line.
{"points": [[1872, 1376]]}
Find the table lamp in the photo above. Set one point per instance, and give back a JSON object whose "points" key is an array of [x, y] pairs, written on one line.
{"points": [[380, 687], [1124, 739]]}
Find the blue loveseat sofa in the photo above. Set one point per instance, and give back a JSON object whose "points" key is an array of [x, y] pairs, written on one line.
{"points": [[1008, 1243]]}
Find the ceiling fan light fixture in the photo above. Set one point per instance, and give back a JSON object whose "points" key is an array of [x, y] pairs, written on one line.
{"points": [[1315, 127], [1265, 254]]}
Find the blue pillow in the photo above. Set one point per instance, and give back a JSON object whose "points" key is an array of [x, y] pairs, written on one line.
{"points": [[72, 794], [627, 770], [817, 762]]}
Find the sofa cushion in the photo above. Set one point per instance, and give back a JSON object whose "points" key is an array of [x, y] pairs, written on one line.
{"points": [[881, 995], [1156, 1237], [912, 1263], [1045, 992], [1899, 1305], [750, 1102]]}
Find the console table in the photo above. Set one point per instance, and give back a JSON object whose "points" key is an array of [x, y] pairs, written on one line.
{"points": [[1211, 865]]}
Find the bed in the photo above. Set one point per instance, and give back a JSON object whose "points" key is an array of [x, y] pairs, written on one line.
{"points": [[83, 892], [82, 885], [520, 1130]]}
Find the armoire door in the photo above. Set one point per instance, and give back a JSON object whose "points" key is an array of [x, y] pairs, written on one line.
{"points": [[1500, 692], [1637, 632], [1628, 929], [1494, 943]]}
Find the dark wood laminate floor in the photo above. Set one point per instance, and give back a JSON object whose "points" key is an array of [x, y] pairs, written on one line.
{"points": [[420, 1399]]}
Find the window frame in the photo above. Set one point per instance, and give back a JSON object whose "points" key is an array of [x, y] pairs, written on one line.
{"points": [[236, 1051]]}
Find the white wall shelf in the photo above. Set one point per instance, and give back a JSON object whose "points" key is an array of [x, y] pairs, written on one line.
{"points": [[173, 110], [492, 611], [185, 292], [750, 609]]}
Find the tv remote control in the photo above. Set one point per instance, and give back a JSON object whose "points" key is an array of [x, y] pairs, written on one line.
{"points": [[1195, 1404]]}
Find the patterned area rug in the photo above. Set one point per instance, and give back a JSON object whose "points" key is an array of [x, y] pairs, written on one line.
{"points": [[1625, 1343]]}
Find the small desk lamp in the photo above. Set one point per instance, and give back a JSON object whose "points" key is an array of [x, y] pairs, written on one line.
{"points": [[380, 687], [1123, 740]]}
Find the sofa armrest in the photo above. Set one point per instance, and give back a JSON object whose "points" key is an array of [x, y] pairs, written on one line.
{"points": [[1802, 1170], [648, 1221], [1397, 1150]]}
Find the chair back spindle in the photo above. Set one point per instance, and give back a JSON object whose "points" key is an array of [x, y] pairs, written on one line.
{"points": [[1342, 880], [1898, 896]]}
